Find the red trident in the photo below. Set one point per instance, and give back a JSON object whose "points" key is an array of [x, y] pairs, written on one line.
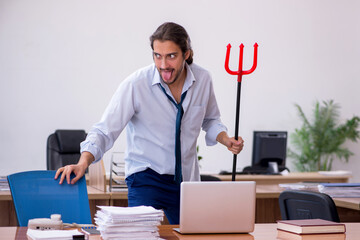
{"points": [[239, 73]]}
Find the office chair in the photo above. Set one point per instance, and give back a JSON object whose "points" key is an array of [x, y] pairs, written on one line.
{"points": [[36, 194], [307, 205], [207, 178], [63, 148]]}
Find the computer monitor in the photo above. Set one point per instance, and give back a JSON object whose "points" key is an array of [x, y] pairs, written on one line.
{"points": [[268, 147]]}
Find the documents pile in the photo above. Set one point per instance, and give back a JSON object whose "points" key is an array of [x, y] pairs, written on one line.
{"points": [[128, 222], [117, 173], [340, 189], [117, 186], [54, 234], [4, 186], [308, 186]]}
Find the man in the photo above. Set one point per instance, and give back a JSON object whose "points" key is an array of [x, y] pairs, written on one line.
{"points": [[163, 107]]}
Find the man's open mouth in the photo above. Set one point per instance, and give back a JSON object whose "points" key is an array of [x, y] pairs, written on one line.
{"points": [[166, 74]]}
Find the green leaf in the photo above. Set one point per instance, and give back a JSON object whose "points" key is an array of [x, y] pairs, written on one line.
{"points": [[320, 139]]}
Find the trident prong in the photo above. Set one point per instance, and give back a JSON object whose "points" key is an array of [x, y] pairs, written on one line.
{"points": [[239, 73]]}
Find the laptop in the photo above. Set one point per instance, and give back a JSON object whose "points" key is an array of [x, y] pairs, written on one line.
{"points": [[217, 207]]}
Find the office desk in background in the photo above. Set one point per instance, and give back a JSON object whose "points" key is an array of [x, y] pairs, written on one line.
{"points": [[268, 210], [261, 232], [267, 207], [292, 177], [268, 191], [267, 194], [96, 198]]}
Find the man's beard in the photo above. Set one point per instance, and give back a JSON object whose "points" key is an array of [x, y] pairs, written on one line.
{"points": [[178, 74]]}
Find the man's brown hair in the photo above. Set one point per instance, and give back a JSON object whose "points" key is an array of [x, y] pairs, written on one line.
{"points": [[170, 31]]}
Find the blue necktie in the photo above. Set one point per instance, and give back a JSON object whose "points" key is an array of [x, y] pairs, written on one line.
{"points": [[180, 112]]}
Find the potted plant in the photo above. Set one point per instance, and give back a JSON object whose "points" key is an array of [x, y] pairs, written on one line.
{"points": [[320, 140]]}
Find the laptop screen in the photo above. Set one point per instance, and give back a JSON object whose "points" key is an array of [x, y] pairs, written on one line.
{"points": [[217, 207]]}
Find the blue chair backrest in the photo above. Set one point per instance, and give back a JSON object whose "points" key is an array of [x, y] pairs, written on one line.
{"points": [[36, 194]]}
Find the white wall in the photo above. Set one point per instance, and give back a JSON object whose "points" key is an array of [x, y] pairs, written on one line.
{"points": [[61, 61]]}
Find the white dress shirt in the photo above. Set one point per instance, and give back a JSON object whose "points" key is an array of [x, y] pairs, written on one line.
{"points": [[141, 106]]}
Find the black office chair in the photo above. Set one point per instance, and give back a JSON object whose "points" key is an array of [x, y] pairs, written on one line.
{"points": [[207, 178], [63, 148], [307, 205]]}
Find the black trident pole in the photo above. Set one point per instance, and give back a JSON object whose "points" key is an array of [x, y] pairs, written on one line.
{"points": [[237, 117], [239, 73]]}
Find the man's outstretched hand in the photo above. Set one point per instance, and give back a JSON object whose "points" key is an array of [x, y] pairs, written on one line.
{"points": [[78, 169]]}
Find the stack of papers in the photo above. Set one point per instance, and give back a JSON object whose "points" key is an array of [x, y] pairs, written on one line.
{"points": [[340, 189], [53, 234], [128, 222], [335, 173], [309, 186], [117, 186], [4, 186]]}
